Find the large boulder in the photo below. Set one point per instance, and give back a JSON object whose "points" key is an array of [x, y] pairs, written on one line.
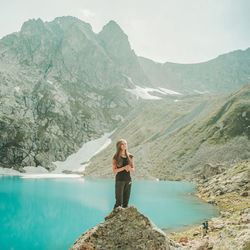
{"points": [[124, 228]]}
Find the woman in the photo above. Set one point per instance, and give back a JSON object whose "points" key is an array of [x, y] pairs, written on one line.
{"points": [[123, 164]]}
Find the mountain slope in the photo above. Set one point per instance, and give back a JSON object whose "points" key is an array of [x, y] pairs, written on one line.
{"points": [[174, 140], [224, 74]]}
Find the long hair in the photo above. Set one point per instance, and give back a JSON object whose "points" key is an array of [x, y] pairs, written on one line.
{"points": [[117, 155]]}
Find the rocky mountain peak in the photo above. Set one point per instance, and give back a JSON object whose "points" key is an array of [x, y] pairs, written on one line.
{"points": [[66, 22], [113, 28], [116, 45], [236, 54], [115, 41], [32, 26]]}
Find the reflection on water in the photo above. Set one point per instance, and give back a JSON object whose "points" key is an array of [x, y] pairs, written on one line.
{"points": [[52, 214]]}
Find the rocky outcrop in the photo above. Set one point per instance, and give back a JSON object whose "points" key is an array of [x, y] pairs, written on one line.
{"points": [[233, 181], [124, 228], [230, 192], [209, 170]]}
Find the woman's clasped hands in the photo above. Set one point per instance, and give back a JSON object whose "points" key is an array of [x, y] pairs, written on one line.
{"points": [[127, 168]]}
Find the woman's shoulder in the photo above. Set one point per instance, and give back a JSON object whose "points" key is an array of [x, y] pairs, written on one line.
{"points": [[130, 155]]}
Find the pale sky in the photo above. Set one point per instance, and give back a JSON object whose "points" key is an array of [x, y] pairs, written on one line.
{"points": [[182, 31]]}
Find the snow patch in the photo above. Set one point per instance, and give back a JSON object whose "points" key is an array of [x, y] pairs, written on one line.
{"points": [[141, 92], [9, 171], [17, 89], [35, 170], [75, 162], [129, 78], [50, 82], [79, 160], [50, 176], [40, 172], [170, 92], [201, 92], [144, 92]]}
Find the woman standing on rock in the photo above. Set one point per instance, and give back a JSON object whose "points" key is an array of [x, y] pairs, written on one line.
{"points": [[123, 164]]}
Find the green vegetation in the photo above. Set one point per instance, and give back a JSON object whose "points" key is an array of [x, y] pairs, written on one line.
{"points": [[169, 143]]}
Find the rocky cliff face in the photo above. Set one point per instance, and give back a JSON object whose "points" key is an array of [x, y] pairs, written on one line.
{"points": [[60, 87], [124, 228]]}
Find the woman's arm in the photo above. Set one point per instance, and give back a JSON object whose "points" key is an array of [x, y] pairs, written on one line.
{"points": [[132, 167], [115, 169]]}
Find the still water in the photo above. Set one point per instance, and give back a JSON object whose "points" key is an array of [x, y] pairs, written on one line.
{"points": [[53, 213]]}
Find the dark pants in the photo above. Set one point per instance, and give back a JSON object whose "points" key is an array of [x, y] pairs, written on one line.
{"points": [[122, 193]]}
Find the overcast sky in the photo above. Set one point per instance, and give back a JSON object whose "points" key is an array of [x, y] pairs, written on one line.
{"points": [[183, 31]]}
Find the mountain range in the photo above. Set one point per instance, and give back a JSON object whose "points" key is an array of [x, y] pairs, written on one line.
{"points": [[63, 85]]}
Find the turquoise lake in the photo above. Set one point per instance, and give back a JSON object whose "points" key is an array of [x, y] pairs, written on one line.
{"points": [[53, 213]]}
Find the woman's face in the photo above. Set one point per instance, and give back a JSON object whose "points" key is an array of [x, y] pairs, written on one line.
{"points": [[123, 146]]}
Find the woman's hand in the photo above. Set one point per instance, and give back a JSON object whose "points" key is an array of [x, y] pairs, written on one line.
{"points": [[127, 168]]}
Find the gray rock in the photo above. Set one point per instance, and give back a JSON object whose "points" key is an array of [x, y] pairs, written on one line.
{"points": [[225, 214], [124, 228], [209, 170], [244, 194]]}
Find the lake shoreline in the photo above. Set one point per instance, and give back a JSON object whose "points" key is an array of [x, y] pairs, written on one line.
{"points": [[229, 192], [86, 178], [174, 233]]}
